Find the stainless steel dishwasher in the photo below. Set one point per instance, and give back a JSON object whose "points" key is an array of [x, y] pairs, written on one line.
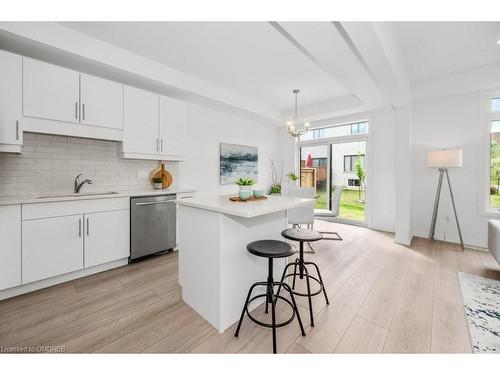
{"points": [[152, 225]]}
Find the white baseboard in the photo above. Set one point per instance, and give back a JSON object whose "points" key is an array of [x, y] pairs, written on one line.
{"points": [[36, 285], [474, 244]]}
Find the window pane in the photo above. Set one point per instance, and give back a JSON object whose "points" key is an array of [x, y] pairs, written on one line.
{"points": [[336, 131], [495, 105], [495, 164]]}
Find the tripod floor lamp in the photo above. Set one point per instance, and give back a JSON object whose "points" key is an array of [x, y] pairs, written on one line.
{"points": [[443, 160]]}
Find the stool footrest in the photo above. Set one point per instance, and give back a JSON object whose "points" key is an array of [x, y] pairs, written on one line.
{"points": [[269, 325]]}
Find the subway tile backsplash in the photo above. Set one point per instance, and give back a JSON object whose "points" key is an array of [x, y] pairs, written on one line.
{"points": [[49, 164]]}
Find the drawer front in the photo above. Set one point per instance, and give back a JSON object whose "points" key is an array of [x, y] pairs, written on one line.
{"points": [[53, 209]]}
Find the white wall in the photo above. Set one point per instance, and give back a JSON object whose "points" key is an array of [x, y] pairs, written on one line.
{"points": [[449, 122], [381, 177], [207, 129]]}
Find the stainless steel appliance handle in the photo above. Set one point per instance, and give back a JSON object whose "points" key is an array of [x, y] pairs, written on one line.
{"points": [[152, 203]]}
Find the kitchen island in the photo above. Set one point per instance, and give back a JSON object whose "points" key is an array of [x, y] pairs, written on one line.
{"points": [[215, 269]]}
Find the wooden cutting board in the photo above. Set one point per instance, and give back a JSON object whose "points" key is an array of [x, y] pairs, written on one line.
{"points": [[160, 171]]}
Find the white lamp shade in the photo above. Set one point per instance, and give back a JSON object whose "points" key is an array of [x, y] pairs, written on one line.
{"points": [[444, 159]]}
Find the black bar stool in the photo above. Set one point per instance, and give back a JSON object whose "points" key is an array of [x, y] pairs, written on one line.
{"points": [[304, 235], [270, 249]]}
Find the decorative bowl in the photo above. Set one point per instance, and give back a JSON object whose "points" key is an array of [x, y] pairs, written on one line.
{"points": [[258, 193]]}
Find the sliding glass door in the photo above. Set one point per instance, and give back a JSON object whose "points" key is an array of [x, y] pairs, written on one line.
{"points": [[340, 167], [315, 172], [348, 172]]}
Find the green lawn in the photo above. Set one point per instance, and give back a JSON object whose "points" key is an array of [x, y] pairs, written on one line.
{"points": [[495, 200], [350, 208]]}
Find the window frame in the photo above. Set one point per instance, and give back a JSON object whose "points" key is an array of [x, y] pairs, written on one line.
{"points": [[487, 116], [352, 159]]}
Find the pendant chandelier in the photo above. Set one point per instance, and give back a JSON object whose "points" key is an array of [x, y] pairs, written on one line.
{"points": [[292, 124]]}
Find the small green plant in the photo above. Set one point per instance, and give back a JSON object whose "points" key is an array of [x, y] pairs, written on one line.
{"points": [[359, 170], [275, 189], [157, 180], [245, 181], [292, 176]]}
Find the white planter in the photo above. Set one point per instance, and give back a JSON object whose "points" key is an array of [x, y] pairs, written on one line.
{"points": [[246, 188], [158, 185]]}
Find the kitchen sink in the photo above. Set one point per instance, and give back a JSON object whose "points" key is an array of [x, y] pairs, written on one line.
{"points": [[77, 195]]}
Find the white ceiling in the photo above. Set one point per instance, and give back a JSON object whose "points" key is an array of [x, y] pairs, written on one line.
{"points": [[432, 49], [248, 57], [340, 67]]}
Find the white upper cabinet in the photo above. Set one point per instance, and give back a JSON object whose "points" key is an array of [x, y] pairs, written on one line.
{"points": [[173, 125], [141, 124], [50, 92], [101, 102], [11, 135]]}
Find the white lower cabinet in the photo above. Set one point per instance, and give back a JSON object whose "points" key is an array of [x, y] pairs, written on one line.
{"points": [[63, 237], [10, 246], [107, 237], [52, 246]]}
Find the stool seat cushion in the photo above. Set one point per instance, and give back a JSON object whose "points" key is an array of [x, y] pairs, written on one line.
{"points": [[302, 234], [270, 249]]}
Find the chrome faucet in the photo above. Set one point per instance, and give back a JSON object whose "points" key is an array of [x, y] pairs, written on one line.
{"points": [[78, 184]]}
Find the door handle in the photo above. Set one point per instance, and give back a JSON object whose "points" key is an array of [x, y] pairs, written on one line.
{"points": [[79, 227], [17, 130], [152, 203], [88, 226]]}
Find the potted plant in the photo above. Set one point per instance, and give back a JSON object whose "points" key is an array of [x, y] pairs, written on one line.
{"points": [[276, 179], [292, 177], [158, 182], [245, 185]]}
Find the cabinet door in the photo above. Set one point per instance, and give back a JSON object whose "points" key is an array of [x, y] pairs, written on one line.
{"points": [[173, 125], [51, 247], [141, 121], [107, 237], [101, 102], [10, 246], [10, 98], [49, 91]]}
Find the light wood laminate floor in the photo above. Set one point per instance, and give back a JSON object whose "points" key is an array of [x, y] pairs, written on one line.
{"points": [[384, 298]]}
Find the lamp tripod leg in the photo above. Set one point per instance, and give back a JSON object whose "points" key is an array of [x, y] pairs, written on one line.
{"points": [[455, 210], [436, 205]]}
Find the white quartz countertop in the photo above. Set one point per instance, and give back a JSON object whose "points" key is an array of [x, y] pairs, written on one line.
{"points": [[222, 204], [74, 197]]}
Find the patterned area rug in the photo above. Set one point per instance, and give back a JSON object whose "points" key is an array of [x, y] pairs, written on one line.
{"points": [[482, 309]]}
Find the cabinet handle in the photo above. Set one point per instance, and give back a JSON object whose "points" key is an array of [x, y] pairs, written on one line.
{"points": [[88, 226], [83, 112], [17, 130], [76, 110], [157, 145], [161, 145], [79, 227]]}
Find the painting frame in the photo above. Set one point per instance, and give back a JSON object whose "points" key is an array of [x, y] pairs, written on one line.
{"points": [[236, 160]]}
